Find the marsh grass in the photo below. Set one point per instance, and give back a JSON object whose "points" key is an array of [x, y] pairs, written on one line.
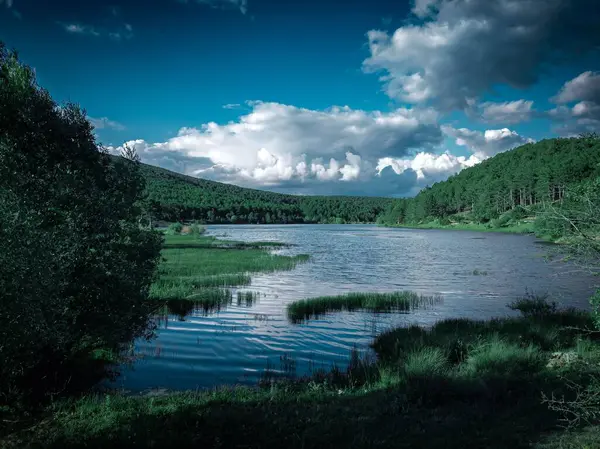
{"points": [[247, 298], [196, 267], [497, 357], [457, 337], [459, 384], [534, 305], [305, 309]]}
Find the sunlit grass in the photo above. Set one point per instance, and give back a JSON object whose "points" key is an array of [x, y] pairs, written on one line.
{"points": [[194, 266], [306, 309]]}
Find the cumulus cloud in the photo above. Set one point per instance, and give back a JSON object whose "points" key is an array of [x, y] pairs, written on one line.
{"points": [[429, 167], [281, 145], [486, 144], [105, 123], [585, 86], [461, 48], [508, 112], [578, 109]]}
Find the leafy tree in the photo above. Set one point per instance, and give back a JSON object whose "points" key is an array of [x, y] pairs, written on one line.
{"points": [[76, 265], [526, 178]]}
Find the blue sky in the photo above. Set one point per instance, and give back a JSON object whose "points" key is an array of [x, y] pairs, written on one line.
{"points": [[357, 97]]}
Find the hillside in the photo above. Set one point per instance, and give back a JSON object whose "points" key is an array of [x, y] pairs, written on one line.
{"points": [[503, 189], [178, 197]]}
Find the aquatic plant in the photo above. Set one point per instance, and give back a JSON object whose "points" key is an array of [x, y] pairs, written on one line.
{"points": [[192, 263], [405, 301]]}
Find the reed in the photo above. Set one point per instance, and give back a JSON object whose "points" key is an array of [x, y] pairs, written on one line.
{"points": [[405, 301]]}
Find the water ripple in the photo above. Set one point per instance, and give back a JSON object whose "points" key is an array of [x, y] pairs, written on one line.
{"points": [[238, 343]]}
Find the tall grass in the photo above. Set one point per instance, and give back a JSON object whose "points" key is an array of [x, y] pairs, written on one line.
{"points": [[457, 337], [194, 266], [405, 301], [460, 384]]}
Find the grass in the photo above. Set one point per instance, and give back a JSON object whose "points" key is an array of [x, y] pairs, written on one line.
{"points": [[199, 268], [306, 309], [460, 384], [247, 298], [516, 228]]}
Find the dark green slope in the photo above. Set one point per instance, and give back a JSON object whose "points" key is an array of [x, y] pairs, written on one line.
{"points": [[179, 197], [508, 186]]}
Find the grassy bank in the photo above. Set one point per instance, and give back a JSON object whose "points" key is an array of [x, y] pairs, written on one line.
{"points": [[306, 309], [461, 384], [199, 269], [520, 228]]}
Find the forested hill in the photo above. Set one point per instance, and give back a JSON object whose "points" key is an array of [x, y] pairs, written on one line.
{"points": [[175, 197], [509, 185]]}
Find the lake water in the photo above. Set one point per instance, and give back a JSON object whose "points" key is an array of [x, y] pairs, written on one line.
{"points": [[238, 344]]}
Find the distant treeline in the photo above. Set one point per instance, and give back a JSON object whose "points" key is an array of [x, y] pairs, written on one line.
{"points": [[176, 197], [523, 179]]}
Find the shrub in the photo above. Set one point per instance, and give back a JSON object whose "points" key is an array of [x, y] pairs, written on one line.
{"points": [[444, 221], [76, 266], [175, 229], [197, 229]]}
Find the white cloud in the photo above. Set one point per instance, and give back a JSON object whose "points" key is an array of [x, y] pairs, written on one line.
{"points": [[76, 28], [508, 112], [585, 86], [423, 8], [486, 144], [123, 32], [464, 47], [584, 115], [276, 145], [105, 123], [232, 106], [8, 3], [429, 167]]}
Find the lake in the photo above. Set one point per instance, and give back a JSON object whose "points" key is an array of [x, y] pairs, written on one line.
{"points": [[476, 273]]}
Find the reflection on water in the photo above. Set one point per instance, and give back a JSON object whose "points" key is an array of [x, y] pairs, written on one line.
{"points": [[249, 334]]}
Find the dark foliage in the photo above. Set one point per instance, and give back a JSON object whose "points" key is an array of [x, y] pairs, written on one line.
{"points": [[76, 266], [176, 197], [507, 187]]}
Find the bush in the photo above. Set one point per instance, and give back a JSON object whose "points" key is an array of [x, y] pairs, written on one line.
{"points": [[76, 266], [444, 221], [197, 229], [500, 222], [174, 228]]}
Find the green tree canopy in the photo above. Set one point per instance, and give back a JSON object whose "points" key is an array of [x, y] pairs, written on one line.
{"points": [[76, 266]]}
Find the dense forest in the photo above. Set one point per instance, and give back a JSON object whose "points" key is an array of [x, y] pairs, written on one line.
{"points": [[509, 185], [176, 197]]}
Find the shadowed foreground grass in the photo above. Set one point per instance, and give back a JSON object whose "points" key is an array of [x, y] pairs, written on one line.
{"points": [[461, 384], [306, 309]]}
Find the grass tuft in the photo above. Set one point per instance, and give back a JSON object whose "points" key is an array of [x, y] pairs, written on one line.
{"points": [[305, 309], [426, 362]]}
